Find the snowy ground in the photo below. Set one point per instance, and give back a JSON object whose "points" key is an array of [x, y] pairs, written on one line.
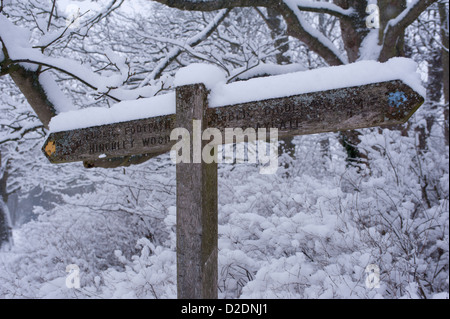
{"points": [[310, 231]]}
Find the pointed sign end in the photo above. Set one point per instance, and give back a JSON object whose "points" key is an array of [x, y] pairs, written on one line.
{"points": [[402, 103], [49, 149]]}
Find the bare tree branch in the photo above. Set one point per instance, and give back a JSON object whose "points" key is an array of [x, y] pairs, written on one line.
{"points": [[214, 5], [296, 27], [192, 42], [331, 9], [17, 136]]}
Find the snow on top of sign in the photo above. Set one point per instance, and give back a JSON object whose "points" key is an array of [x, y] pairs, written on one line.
{"points": [[356, 74], [120, 112], [265, 69], [207, 74]]}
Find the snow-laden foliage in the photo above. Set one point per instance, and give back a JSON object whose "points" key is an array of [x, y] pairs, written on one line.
{"points": [[310, 231]]}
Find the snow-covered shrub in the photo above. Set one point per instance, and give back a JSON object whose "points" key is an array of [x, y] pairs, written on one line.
{"points": [[313, 230], [89, 230]]}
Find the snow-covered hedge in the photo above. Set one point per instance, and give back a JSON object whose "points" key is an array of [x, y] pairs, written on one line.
{"points": [[310, 231]]}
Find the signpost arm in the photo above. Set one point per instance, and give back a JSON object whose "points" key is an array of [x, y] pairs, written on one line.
{"points": [[197, 221]]}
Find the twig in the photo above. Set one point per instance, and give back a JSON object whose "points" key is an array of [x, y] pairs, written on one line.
{"points": [[51, 15]]}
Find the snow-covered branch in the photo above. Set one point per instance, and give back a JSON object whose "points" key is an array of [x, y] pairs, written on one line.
{"points": [[395, 27], [322, 7], [19, 132], [291, 11], [316, 41]]}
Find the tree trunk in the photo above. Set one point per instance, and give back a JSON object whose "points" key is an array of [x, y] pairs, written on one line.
{"points": [[278, 33], [443, 14], [29, 84], [393, 46], [5, 221], [353, 33], [435, 75], [434, 94], [5, 226], [355, 30]]}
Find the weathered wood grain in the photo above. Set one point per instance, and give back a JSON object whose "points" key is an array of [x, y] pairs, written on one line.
{"points": [[197, 207]]}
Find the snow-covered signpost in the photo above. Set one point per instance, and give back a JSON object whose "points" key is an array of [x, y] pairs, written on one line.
{"points": [[361, 95]]}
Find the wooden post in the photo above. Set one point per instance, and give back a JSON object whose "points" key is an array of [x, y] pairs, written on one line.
{"points": [[197, 222]]}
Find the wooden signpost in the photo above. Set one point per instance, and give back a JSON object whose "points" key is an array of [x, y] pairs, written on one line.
{"points": [[378, 104]]}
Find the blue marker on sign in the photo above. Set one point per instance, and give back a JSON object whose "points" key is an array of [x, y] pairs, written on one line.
{"points": [[397, 99]]}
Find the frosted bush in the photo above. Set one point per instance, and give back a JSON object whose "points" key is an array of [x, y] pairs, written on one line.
{"points": [[310, 231]]}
